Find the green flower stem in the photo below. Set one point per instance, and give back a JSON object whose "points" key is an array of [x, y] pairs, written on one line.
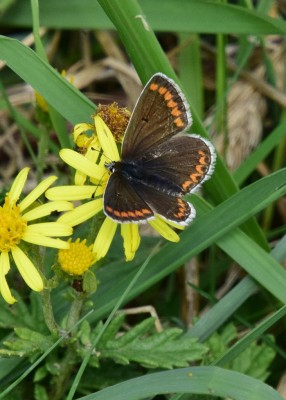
{"points": [[75, 310], [62, 381], [48, 312], [46, 293]]}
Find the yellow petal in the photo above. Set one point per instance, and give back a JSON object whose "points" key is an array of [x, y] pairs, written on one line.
{"points": [[70, 193], [92, 154], [78, 161], [81, 213], [106, 139], [18, 184], [104, 238], [47, 209], [79, 178], [27, 269], [57, 229], [175, 225], [4, 288], [42, 240], [81, 128], [163, 228], [131, 240], [37, 192]]}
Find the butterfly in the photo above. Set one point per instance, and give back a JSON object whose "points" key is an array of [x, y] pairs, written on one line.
{"points": [[158, 166]]}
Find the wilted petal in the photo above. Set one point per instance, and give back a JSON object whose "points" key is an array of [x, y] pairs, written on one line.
{"points": [[81, 128]]}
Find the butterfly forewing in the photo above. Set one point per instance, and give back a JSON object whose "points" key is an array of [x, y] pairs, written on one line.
{"points": [[179, 165], [160, 112]]}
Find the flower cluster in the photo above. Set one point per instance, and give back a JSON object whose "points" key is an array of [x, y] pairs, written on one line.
{"points": [[18, 227], [100, 148], [97, 146]]}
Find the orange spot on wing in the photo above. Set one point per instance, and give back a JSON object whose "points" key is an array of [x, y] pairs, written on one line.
{"points": [[146, 211], [203, 161], [195, 177], [168, 95], [172, 103], [162, 90], [154, 87], [182, 210], [124, 214], [179, 122], [203, 157], [175, 112], [201, 169], [186, 185]]}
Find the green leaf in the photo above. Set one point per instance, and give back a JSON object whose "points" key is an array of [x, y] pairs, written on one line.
{"points": [[162, 15], [56, 90], [167, 349], [27, 342], [40, 392], [254, 360], [196, 380]]}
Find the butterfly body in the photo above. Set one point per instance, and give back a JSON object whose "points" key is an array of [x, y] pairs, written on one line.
{"points": [[137, 172], [158, 166]]}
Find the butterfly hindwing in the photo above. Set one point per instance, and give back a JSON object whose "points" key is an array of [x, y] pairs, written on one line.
{"points": [[171, 208], [160, 113], [122, 203]]}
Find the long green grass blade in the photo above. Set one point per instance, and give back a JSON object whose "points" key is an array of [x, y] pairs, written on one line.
{"points": [[163, 15], [57, 91], [197, 380]]}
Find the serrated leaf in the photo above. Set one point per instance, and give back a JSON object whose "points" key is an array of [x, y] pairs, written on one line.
{"points": [[21, 315], [84, 333], [27, 342], [255, 360], [167, 349], [112, 330]]}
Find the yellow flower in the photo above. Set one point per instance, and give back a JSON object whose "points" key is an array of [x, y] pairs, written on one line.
{"points": [[77, 259], [98, 175], [17, 227]]}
